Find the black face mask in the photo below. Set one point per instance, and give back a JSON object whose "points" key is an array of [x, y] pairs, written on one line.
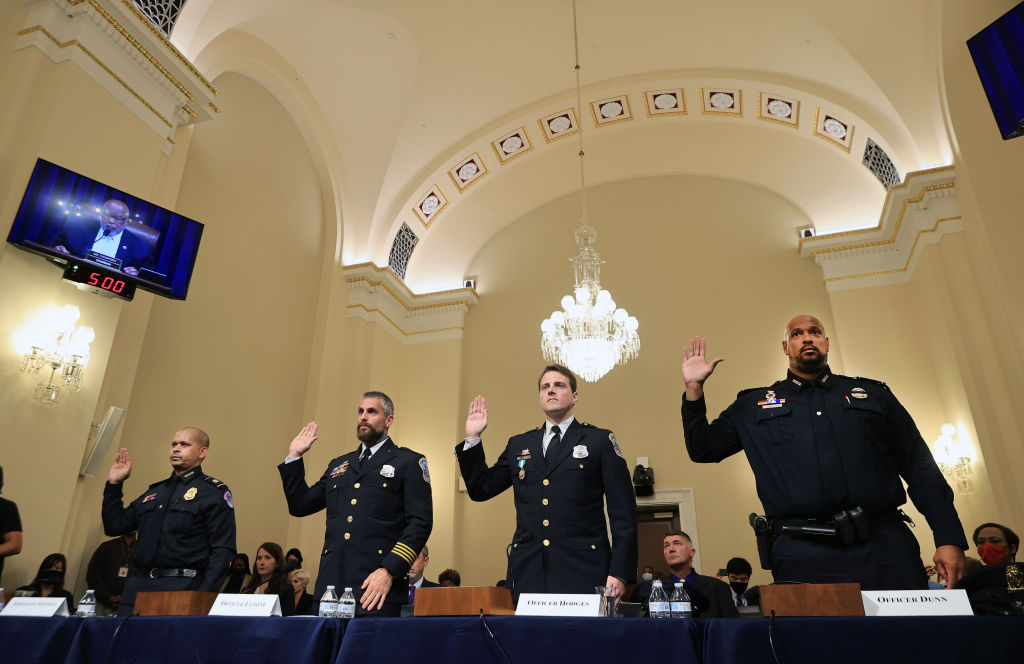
{"points": [[236, 572], [52, 576], [738, 586]]}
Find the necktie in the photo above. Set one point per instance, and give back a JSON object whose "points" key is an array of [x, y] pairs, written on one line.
{"points": [[412, 595], [556, 437]]}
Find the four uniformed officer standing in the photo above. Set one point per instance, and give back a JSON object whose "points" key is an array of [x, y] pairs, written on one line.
{"points": [[186, 523], [827, 453], [379, 509], [561, 474]]}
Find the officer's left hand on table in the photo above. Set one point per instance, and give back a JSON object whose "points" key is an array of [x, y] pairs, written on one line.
{"points": [[949, 558], [375, 589], [615, 585]]}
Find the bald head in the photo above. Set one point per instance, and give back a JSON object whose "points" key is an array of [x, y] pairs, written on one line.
{"points": [[188, 449], [114, 216], [806, 346]]}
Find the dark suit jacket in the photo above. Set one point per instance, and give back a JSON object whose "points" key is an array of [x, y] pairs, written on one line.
{"points": [[561, 541], [78, 238], [427, 583], [379, 514], [710, 597]]}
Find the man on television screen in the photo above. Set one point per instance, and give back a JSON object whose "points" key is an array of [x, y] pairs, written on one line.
{"points": [[89, 239]]}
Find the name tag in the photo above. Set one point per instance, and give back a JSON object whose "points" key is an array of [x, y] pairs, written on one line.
{"points": [[916, 603], [45, 607], [228, 604], [554, 604]]}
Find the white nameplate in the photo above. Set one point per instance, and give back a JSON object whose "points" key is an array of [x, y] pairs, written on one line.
{"points": [[228, 604], [45, 607], [556, 604], [916, 603]]}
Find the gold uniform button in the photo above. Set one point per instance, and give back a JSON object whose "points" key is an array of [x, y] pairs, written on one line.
{"points": [[350, 519], [385, 485], [348, 535], [544, 502], [546, 522], [581, 465], [379, 551], [545, 482], [334, 486], [593, 546], [354, 501], [547, 542], [356, 485]]}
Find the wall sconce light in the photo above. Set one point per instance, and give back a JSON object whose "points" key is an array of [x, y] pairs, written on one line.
{"points": [[955, 458], [51, 339]]}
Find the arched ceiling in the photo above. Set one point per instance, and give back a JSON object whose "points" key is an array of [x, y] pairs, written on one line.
{"points": [[406, 90]]}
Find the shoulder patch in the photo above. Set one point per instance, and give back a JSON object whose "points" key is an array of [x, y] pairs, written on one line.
{"points": [[426, 471], [228, 500], [748, 390], [615, 444]]}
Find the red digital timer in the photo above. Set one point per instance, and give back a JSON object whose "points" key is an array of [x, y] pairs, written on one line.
{"points": [[99, 280]]}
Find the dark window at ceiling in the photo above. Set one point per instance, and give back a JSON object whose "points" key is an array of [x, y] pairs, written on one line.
{"points": [[401, 250], [161, 13], [880, 165]]}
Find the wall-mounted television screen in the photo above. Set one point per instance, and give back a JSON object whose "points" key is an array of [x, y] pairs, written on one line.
{"points": [[67, 216], [998, 53]]}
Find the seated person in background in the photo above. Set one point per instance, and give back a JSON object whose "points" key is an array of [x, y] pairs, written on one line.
{"points": [[450, 578], [739, 571], [49, 581], [647, 574], [268, 577], [303, 600], [293, 559], [416, 578], [500, 583], [238, 575], [108, 237], [709, 596], [108, 570], [996, 543]]}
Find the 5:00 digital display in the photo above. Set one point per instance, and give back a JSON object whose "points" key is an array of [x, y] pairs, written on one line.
{"points": [[110, 281]]}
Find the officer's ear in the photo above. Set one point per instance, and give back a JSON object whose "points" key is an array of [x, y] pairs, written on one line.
{"points": [[202, 452]]}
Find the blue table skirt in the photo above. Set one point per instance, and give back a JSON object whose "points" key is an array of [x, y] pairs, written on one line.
{"points": [[874, 640], [36, 640], [212, 639], [525, 639]]}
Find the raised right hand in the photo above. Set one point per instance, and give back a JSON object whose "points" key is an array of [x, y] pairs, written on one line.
{"points": [[303, 441], [476, 422], [696, 368], [121, 469]]}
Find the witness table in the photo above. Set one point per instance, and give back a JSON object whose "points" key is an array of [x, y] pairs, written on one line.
{"points": [[525, 639], [934, 640]]}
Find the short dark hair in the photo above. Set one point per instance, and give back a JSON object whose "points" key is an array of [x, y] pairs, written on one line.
{"points": [[1011, 537], [678, 533], [560, 369], [386, 404], [450, 575], [294, 552], [425, 551], [739, 566]]}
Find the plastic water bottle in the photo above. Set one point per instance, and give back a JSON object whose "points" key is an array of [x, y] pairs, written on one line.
{"points": [[657, 605], [87, 605], [3, 602], [680, 603], [347, 606], [329, 604]]}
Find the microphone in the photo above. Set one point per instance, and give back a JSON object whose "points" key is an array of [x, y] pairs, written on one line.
{"points": [[106, 232]]}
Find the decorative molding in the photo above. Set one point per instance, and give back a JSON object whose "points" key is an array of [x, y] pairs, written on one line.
{"points": [[916, 213], [375, 294], [117, 46]]}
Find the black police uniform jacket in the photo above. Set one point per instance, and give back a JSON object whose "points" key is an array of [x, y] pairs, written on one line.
{"points": [[379, 514], [192, 517], [561, 540], [875, 440]]}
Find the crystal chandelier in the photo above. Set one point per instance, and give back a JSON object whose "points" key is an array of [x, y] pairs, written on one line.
{"points": [[589, 335], [51, 340]]}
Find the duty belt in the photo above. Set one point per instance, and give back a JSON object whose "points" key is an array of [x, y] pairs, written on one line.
{"points": [[157, 573]]}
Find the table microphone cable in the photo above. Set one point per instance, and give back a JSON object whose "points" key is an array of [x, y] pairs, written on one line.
{"points": [[772, 633], [113, 639], [497, 643]]}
